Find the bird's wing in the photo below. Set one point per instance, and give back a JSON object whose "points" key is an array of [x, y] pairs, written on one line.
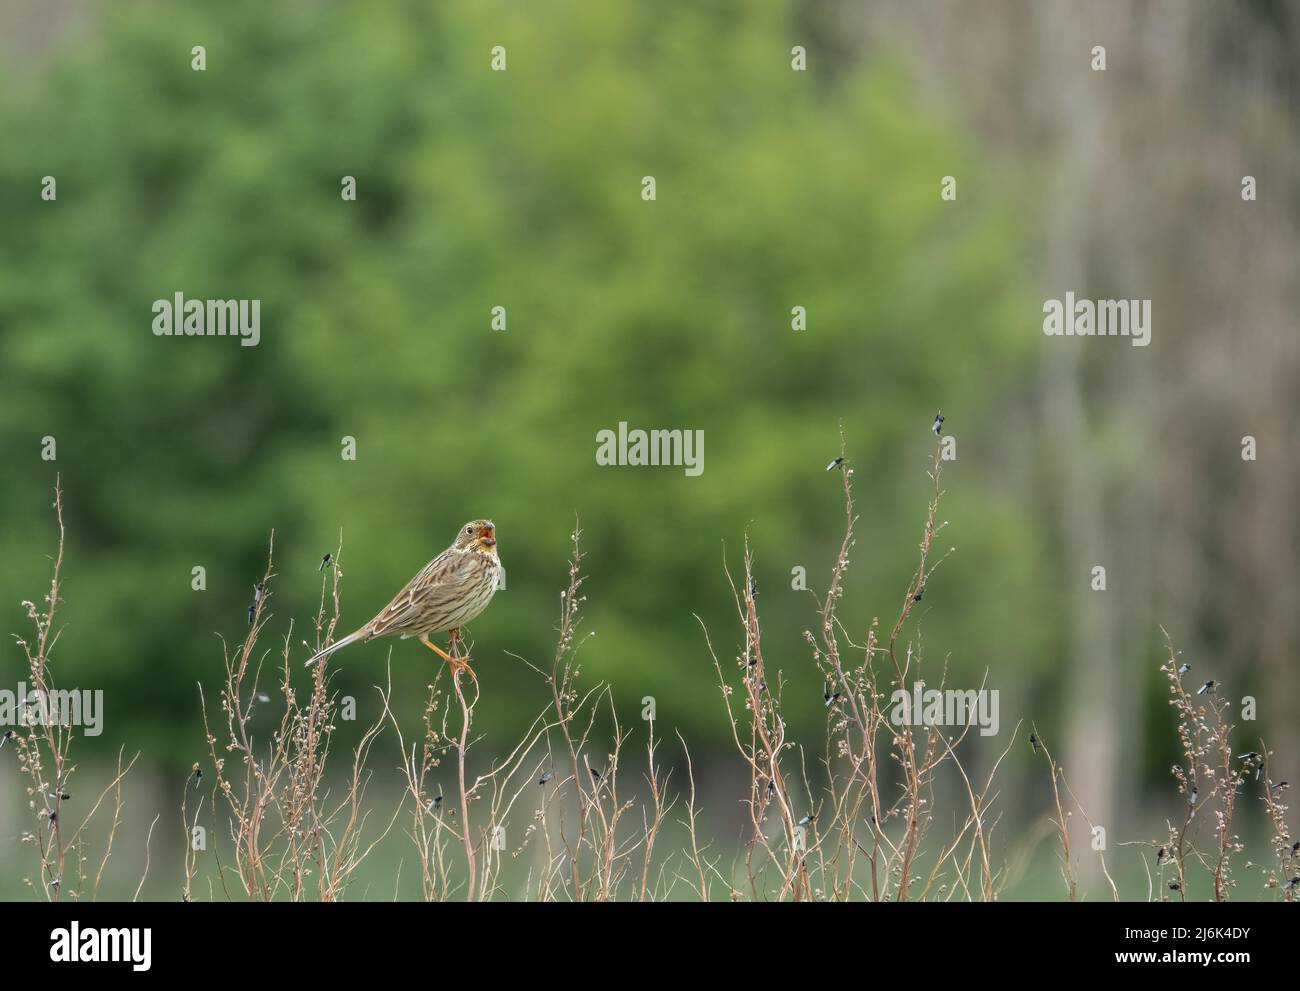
{"points": [[450, 568]]}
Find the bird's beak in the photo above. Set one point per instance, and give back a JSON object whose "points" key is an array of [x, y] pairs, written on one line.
{"points": [[489, 537]]}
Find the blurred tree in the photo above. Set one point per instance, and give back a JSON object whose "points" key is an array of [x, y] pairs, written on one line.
{"points": [[478, 189]]}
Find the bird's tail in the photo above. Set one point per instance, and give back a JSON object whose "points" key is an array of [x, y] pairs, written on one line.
{"points": [[338, 645]]}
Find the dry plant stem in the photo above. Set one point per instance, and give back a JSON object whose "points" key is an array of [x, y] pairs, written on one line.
{"points": [[1061, 822], [912, 826], [1188, 719], [561, 681], [657, 811], [428, 827], [855, 717], [978, 803], [761, 752], [1194, 737], [284, 826], [54, 737], [1101, 854], [116, 787], [1199, 736], [461, 746], [690, 823], [1288, 859], [861, 704], [1228, 783], [43, 745], [770, 736]]}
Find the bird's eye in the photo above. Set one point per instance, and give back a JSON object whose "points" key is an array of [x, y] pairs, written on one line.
{"points": [[469, 529]]}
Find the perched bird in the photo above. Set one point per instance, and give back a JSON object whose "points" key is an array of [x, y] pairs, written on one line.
{"points": [[1033, 741], [448, 592], [1209, 686], [835, 464], [1184, 668], [937, 427], [325, 562]]}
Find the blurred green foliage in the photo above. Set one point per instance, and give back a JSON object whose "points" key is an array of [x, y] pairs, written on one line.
{"points": [[476, 189]]}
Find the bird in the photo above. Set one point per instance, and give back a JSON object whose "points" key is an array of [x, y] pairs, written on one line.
{"points": [[448, 592]]}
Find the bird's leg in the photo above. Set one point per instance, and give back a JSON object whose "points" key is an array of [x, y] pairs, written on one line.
{"points": [[424, 639], [457, 662]]}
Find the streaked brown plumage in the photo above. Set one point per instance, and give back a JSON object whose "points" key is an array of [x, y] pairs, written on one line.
{"points": [[448, 592]]}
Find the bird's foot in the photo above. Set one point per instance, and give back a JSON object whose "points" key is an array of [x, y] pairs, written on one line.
{"points": [[461, 663], [458, 662]]}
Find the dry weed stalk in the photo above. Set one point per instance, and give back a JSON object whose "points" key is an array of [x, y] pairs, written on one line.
{"points": [[1062, 823], [1208, 779], [835, 838], [819, 845], [290, 836], [43, 742]]}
